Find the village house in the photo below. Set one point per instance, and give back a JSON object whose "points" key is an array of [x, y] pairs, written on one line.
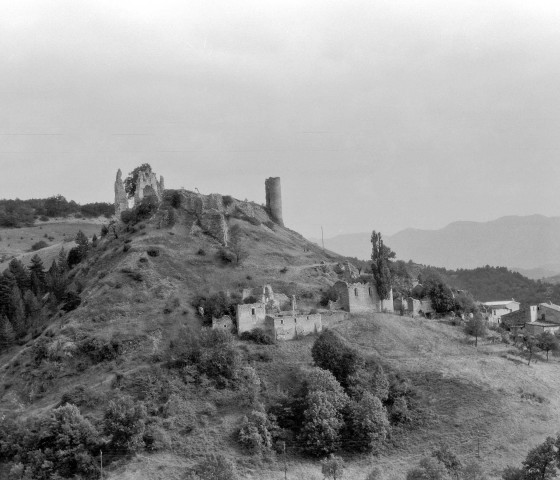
{"points": [[496, 309], [533, 320], [420, 306], [267, 315], [362, 298]]}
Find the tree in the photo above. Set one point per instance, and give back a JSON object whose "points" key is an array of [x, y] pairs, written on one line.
{"points": [[381, 256], [531, 344], [321, 431], [17, 311], [7, 334], [20, 274], [448, 458], [368, 425], [548, 342], [132, 179], [124, 421], [371, 379], [82, 243], [476, 327], [62, 261], [331, 353], [441, 297], [513, 473], [428, 469], [332, 467], [540, 463], [237, 244], [37, 274]]}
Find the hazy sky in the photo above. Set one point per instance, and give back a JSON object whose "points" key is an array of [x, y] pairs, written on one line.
{"points": [[376, 114]]}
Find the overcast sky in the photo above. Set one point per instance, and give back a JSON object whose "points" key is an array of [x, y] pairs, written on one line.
{"points": [[376, 114]]}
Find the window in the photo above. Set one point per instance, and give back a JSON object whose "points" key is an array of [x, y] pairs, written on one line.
{"points": [[356, 292], [253, 311]]}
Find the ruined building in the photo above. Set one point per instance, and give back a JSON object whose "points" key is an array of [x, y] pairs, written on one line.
{"points": [[362, 298], [208, 213], [147, 185], [281, 325]]}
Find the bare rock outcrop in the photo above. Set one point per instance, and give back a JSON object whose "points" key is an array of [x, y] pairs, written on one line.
{"points": [[121, 200], [214, 223]]}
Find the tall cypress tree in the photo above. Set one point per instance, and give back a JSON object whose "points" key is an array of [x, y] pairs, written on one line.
{"points": [[62, 261], [37, 275], [381, 256], [17, 311]]}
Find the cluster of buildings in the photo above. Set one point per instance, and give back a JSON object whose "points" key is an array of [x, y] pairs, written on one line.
{"points": [[533, 319]]}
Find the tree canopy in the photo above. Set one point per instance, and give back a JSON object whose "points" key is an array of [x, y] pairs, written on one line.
{"points": [[130, 181]]}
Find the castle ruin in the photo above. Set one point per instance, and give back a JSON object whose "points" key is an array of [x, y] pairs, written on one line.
{"points": [[209, 213]]}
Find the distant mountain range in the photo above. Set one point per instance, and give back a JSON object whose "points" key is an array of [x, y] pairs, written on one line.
{"points": [[528, 244]]}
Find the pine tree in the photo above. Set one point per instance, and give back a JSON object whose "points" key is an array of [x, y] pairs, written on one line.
{"points": [[94, 241], [7, 283], [17, 311], [7, 334], [62, 261], [82, 244], [32, 306], [20, 274], [37, 275]]}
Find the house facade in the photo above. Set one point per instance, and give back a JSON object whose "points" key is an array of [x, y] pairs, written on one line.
{"points": [[496, 309], [362, 298]]}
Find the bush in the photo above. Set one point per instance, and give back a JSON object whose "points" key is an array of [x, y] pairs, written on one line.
{"points": [[257, 432], [99, 350], [201, 252], [39, 245], [250, 299], [258, 335], [75, 256], [331, 353], [71, 301], [61, 444], [124, 422], [214, 467], [175, 199], [368, 425], [153, 252], [226, 256], [228, 200]]}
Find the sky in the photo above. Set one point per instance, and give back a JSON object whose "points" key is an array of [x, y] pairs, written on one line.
{"points": [[376, 114]]}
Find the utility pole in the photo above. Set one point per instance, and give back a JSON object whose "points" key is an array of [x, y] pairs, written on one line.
{"points": [[285, 464], [101, 455]]}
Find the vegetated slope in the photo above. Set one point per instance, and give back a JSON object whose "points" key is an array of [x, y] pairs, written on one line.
{"points": [[136, 289], [524, 242], [499, 283], [18, 242], [482, 393]]}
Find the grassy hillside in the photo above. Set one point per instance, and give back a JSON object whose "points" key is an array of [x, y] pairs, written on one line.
{"points": [[136, 290]]}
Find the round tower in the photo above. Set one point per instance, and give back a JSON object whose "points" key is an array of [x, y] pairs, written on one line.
{"points": [[274, 199]]}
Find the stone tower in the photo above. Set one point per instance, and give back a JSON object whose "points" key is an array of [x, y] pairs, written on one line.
{"points": [[274, 199]]}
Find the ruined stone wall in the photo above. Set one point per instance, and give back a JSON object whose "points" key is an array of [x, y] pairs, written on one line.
{"points": [[249, 316], [331, 318], [550, 314], [223, 323], [416, 306], [274, 199], [148, 185], [289, 327], [362, 298]]}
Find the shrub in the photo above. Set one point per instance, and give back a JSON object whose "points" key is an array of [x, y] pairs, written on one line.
{"points": [[250, 299], [75, 256], [124, 422], [126, 247], [331, 353], [201, 252], [226, 256], [214, 467], [71, 301], [175, 199], [332, 467], [284, 270], [228, 200], [258, 335], [127, 216], [39, 245], [257, 432], [153, 252], [99, 350], [428, 469], [368, 425]]}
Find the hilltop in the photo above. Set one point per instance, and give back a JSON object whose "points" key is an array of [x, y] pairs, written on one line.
{"points": [[138, 290]]}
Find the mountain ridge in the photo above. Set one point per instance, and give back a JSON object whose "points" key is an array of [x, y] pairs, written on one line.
{"points": [[525, 243]]}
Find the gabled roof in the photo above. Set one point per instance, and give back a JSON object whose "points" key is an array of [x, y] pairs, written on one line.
{"points": [[499, 303], [550, 305]]}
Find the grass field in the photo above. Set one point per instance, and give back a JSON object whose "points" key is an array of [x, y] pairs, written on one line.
{"points": [[17, 242]]}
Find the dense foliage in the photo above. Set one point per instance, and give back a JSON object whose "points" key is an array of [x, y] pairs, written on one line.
{"points": [[20, 213], [381, 256]]}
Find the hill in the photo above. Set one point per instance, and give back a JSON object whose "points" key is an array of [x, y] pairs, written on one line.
{"points": [[519, 242], [138, 289]]}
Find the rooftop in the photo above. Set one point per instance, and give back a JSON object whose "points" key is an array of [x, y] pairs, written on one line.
{"points": [[552, 306], [498, 303]]}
